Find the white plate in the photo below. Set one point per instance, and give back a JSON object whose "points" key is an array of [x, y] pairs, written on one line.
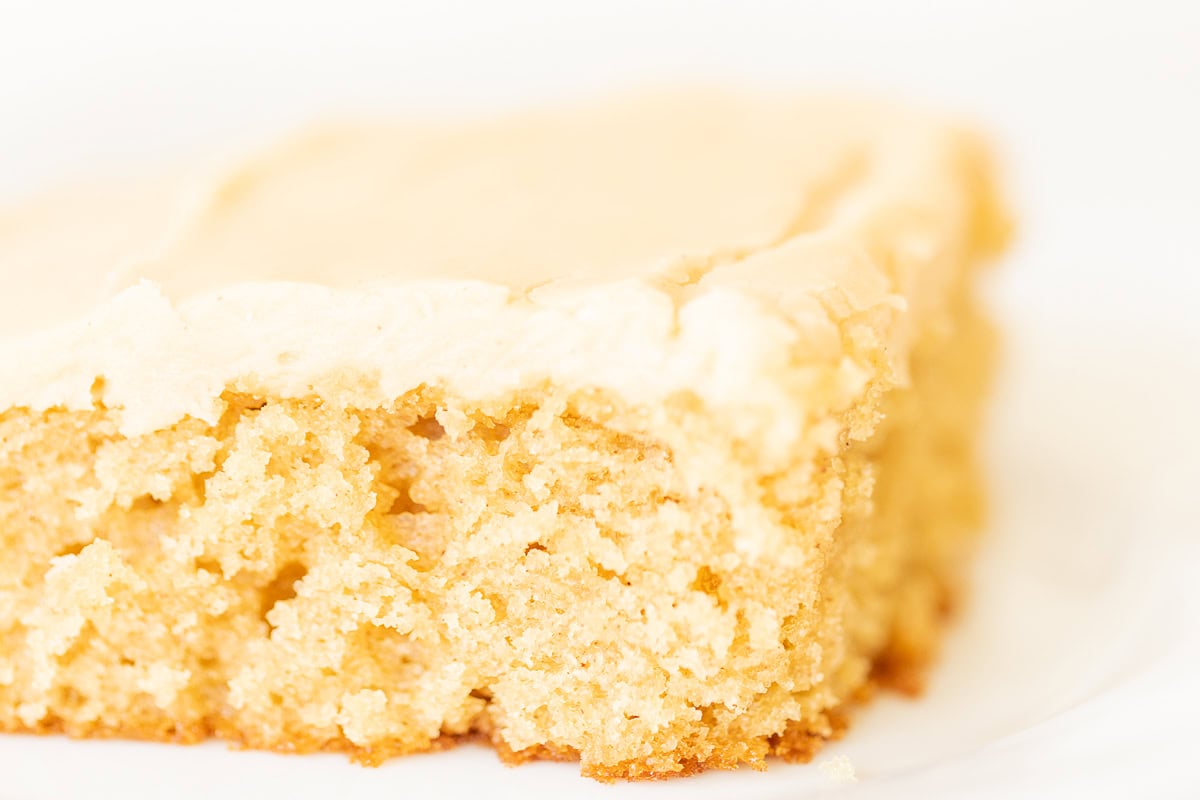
{"points": [[1071, 672]]}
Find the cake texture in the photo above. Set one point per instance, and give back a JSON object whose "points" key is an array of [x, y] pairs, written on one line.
{"points": [[639, 432]]}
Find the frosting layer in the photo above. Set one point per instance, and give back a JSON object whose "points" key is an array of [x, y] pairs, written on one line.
{"points": [[702, 242]]}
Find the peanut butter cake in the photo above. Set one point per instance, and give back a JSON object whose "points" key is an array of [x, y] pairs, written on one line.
{"points": [[640, 433]]}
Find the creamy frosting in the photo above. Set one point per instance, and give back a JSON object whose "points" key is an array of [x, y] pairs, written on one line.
{"points": [[691, 241]]}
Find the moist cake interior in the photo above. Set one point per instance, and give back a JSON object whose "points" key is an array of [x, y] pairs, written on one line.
{"points": [[303, 577]]}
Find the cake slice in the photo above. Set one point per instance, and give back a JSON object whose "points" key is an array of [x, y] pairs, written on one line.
{"points": [[639, 432]]}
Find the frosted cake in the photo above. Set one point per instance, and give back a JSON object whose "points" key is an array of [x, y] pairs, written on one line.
{"points": [[639, 432]]}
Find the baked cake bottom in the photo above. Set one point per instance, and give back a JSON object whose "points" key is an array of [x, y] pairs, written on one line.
{"points": [[534, 570]]}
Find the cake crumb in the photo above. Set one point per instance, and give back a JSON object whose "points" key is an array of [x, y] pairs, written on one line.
{"points": [[839, 769]]}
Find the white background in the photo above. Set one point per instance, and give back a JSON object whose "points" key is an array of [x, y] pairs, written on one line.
{"points": [[1072, 672]]}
